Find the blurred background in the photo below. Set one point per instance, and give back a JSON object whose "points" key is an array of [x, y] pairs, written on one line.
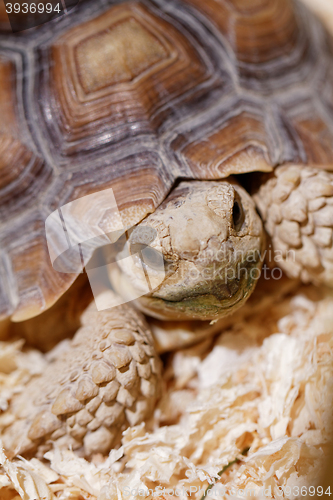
{"points": [[324, 9]]}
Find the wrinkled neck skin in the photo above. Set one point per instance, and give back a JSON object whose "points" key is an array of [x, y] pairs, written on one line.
{"points": [[200, 253]]}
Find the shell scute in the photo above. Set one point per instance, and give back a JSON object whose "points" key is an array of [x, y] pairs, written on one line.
{"points": [[132, 95], [104, 80]]}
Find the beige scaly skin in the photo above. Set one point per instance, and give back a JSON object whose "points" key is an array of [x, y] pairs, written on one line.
{"points": [[108, 376], [296, 205]]}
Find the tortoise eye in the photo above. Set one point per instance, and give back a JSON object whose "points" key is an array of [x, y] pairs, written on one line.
{"points": [[149, 256], [153, 259], [237, 215]]}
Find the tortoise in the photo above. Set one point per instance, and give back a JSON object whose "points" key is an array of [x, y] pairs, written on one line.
{"points": [[177, 132]]}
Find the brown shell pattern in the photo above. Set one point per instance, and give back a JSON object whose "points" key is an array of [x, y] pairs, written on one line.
{"points": [[133, 95]]}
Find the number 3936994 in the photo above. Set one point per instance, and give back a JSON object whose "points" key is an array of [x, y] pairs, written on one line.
{"points": [[29, 14]]}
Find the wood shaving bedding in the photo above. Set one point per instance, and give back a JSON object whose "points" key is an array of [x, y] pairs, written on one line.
{"points": [[265, 384]]}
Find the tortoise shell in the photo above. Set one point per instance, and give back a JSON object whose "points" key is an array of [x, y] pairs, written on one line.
{"points": [[132, 95]]}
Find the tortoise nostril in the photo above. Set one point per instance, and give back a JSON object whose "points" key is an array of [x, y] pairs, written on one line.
{"points": [[237, 215]]}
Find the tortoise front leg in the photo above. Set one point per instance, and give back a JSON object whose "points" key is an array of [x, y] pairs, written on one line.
{"points": [[296, 205], [93, 387]]}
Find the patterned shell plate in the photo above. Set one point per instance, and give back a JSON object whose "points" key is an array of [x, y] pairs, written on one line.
{"points": [[133, 95]]}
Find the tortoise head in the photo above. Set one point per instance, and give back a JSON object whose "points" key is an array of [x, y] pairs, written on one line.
{"points": [[200, 252]]}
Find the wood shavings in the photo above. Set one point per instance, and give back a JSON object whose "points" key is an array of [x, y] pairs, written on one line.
{"points": [[266, 383], [28, 479]]}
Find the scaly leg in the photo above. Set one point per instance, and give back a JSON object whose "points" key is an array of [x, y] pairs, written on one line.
{"points": [[92, 388], [296, 205]]}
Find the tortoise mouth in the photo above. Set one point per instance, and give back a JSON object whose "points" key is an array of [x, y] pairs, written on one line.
{"points": [[206, 302], [221, 289]]}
